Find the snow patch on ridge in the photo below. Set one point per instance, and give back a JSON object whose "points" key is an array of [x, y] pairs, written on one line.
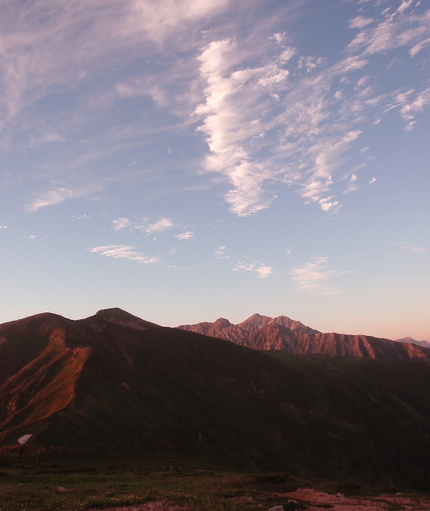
{"points": [[24, 439]]}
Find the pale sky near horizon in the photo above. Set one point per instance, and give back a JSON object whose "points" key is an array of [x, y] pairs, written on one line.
{"points": [[193, 159]]}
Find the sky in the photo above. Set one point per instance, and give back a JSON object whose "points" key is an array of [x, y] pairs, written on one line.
{"points": [[186, 160]]}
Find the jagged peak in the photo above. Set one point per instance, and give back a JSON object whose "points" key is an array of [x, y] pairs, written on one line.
{"points": [[255, 322], [222, 323], [293, 324]]}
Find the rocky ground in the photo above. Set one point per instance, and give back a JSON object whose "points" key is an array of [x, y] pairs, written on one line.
{"points": [[308, 499]]}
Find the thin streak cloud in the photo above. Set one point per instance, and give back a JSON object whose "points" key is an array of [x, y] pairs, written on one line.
{"points": [[413, 249], [124, 252], [54, 197], [185, 236]]}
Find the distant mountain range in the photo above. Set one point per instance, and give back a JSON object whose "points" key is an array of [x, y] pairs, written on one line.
{"points": [[284, 334], [425, 344], [114, 383]]}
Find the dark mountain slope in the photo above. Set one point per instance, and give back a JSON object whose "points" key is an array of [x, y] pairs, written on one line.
{"points": [[284, 334], [114, 383]]}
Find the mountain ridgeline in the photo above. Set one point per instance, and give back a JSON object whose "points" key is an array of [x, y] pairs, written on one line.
{"points": [[284, 334], [113, 383]]}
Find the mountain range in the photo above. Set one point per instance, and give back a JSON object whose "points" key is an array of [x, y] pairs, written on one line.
{"points": [[284, 334], [114, 383]]}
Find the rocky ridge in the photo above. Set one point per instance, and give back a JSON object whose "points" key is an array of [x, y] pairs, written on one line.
{"points": [[284, 334]]}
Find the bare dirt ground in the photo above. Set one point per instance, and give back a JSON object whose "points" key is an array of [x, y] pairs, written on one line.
{"points": [[156, 505], [318, 501], [308, 499]]}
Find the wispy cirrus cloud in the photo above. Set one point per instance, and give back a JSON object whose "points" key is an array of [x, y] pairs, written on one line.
{"points": [[54, 197], [412, 103], [263, 271], [395, 29], [82, 39], [249, 109], [47, 138], [354, 184], [360, 22], [164, 224], [124, 252], [292, 118], [413, 249], [314, 276], [269, 113]]}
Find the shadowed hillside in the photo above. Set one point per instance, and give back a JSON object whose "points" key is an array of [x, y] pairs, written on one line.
{"points": [[116, 384]]}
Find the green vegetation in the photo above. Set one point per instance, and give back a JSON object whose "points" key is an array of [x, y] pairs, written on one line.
{"points": [[42, 480]]}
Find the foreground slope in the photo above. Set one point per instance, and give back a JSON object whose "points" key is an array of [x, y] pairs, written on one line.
{"points": [[284, 334], [115, 383]]}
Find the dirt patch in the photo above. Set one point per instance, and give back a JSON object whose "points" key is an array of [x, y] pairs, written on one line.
{"points": [[156, 505], [319, 501]]}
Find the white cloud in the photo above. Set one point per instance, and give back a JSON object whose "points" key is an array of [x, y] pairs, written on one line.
{"points": [[54, 197], [313, 277], [413, 249], [404, 5], [220, 253], [360, 22], [393, 32], [161, 225], [327, 204], [418, 47], [3, 226], [269, 114], [352, 184], [263, 126], [81, 39], [310, 64], [261, 269], [233, 120], [185, 236], [295, 120], [121, 223], [410, 108], [124, 252]]}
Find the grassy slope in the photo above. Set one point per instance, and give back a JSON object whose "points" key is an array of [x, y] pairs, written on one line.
{"points": [[106, 482]]}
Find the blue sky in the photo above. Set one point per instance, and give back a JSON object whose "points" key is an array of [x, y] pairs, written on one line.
{"points": [[191, 159]]}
